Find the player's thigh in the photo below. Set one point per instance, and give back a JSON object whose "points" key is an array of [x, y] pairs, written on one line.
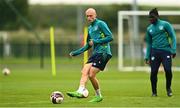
{"points": [[93, 71], [155, 64], [86, 68], [155, 61], [167, 60]]}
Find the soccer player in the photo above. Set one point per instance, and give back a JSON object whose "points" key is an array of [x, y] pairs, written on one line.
{"points": [[99, 36], [161, 48]]}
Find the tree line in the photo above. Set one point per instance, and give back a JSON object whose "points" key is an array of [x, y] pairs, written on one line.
{"points": [[63, 16]]}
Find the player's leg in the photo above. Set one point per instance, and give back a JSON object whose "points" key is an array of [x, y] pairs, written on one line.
{"points": [[167, 64], [155, 63], [98, 65], [92, 76], [84, 77], [83, 80]]}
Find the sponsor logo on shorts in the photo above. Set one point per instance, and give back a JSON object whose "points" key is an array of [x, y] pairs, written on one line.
{"points": [[94, 64], [152, 58]]}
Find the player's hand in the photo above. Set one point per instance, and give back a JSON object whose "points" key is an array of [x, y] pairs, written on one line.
{"points": [[91, 43], [71, 54], [173, 55], [147, 61]]}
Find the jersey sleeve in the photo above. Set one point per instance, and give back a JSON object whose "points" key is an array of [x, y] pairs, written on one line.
{"points": [[172, 35], [148, 45], [106, 32], [82, 49]]}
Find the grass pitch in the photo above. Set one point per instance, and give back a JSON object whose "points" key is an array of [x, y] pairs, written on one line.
{"points": [[30, 86]]}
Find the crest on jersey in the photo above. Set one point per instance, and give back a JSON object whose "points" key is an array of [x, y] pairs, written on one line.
{"points": [[150, 30], [95, 28], [160, 27]]}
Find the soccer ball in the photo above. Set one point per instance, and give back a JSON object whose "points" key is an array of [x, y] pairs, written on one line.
{"points": [[85, 93], [56, 97], [6, 71]]}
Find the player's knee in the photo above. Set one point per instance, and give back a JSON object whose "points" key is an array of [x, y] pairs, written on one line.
{"points": [[84, 74], [168, 70], [154, 73], [91, 76]]}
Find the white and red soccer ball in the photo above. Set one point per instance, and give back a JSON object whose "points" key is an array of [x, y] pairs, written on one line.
{"points": [[85, 93], [57, 97], [6, 71]]}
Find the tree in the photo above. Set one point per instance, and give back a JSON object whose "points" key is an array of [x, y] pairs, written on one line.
{"points": [[9, 19]]}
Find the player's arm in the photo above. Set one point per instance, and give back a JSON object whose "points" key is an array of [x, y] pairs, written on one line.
{"points": [[82, 49], [148, 46], [172, 35], [107, 34]]}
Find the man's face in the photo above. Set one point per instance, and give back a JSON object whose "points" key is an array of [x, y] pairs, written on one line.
{"points": [[152, 20], [91, 16]]}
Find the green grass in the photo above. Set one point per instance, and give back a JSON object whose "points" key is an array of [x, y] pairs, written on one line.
{"points": [[30, 86]]}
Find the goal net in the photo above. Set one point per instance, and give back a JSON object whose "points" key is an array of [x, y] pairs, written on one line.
{"points": [[131, 32]]}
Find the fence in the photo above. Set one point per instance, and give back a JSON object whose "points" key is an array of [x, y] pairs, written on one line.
{"points": [[31, 50]]}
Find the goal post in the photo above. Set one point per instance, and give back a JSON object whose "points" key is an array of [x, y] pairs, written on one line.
{"points": [[130, 51], [6, 47]]}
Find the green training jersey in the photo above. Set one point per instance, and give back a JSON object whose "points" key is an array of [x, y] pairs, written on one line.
{"points": [[100, 34], [162, 36]]}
